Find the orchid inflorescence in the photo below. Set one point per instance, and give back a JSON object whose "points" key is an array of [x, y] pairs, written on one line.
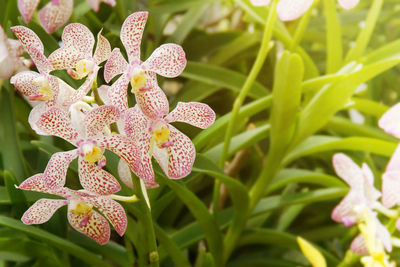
{"points": [[361, 206], [138, 133]]}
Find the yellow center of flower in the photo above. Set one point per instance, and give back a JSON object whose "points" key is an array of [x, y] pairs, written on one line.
{"points": [[138, 80], [83, 68], [93, 155], [379, 257], [80, 207], [161, 136], [45, 92]]}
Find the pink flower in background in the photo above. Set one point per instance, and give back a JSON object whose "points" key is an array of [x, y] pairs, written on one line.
{"points": [[293, 9], [81, 214], [56, 13], [362, 194], [10, 52], [76, 52], [173, 150], [168, 60]]}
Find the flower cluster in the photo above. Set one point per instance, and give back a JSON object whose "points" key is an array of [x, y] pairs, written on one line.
{"points": [[361, 205], [55, 13], [135, 134]]}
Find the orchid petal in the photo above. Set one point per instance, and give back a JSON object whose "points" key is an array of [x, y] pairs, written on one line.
{"points": [[27, 8], [383, 234], [95, 179], [55, 121], [84, 88], [99, 118], [103, 93], [42, 211], [28, 38], [34, 183], [359, 246], [115, 65], [16, 46], [348, 4], [344, 212], [24, 82], [389, 121], [124, 173], [78, 43], [181, 155], [292, 9], [194, 113], [153, 101], [40, 60], [391, 188], [349, 171], [129, 151], [94, 226], [78, 112], [54, 15], [95, 4], [34, 116], [131, 34], [7, 56], [113, 211], [135, 121], [118, 93], [168, 60], [260, 2], [103, 49], [371, 193], [56, 170]]}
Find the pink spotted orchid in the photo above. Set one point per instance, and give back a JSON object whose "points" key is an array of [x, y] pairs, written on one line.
{"points": [[81, 214], [43, 88], [10, 60], [91, 136], [361, 199], [173, 150], [293, 9], [76, 52], [56, 13], [168, 60]]}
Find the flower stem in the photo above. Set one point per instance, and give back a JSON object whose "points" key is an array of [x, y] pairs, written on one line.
{"points": [[148, 235], [130, 199]]}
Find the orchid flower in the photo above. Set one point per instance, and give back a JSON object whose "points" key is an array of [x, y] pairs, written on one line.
{"points": [[173, 150], [42, 87], [293, 9], [10, 52], [56, 13], [77, 53], [168, 60], [88, 131], [81, 214]]}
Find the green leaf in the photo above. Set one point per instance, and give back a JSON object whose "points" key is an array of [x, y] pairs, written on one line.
{"points": [[222, 77], [17, 196], [333, 37], [202, 215], [54, 240]]}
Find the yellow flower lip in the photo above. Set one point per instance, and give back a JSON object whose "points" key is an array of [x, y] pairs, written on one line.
{"points": [[138, 80], [161, 136], [45, 92], [79, 207], [84, 67], [94, 155]]}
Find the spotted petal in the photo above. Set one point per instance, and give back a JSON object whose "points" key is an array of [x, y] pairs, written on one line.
{"points": [[135, 121], [56, 122], [348, 171], [131, 34], [194, 113], [23, 82], [42, 211], [95, 179], [153, 101], [176, 160], [84, 89], [348, 4], [113, 211], [115, 65], [78, 43], [55, 14], [124, 173], [103, 49], [34, 183], [168, 60], [128, 150], [118, 93], [95, 226], [56, 169], [99, 118], [7, 56], [292, 9], [27, 8], [389, 122], [28, 38]]}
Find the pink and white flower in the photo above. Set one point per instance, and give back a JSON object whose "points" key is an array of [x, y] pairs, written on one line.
{"points": [[168, 60], [173, 150], [76, 52], [56, 13], [81, 214], [293, 9]]}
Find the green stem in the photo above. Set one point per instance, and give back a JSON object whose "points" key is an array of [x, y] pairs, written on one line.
{"points": [[334, 48], [300, 30], [148, 235]]}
